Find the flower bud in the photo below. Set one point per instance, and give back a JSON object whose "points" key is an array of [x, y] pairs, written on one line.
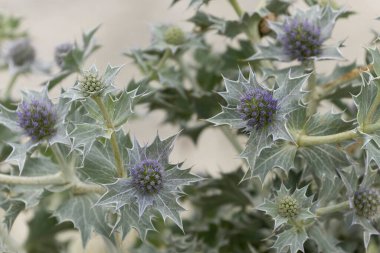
{"points": [[19, 52], [147, 176], [301, 39], [288, 207], [258, 107], [174, 36], [61, 51], [367, 202], [91, 83], [38, 117]]}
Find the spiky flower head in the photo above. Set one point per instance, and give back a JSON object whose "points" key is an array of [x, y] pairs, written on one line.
{"points": [[153, 183], [301, 39], [288, 207], [91, 84], [61, 51], [174, 35], [366, 203], [257, 107], [38, 117], [19, 52], [147, 176]]}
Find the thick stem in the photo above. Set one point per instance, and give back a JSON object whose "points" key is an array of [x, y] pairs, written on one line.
{"points": [[11, 84], [163, 59], [67, 171], [306, 140], [231, 138], [115, 146], [236, 7], [82, 188], [312, 101], [333, 208], [54, 179]]}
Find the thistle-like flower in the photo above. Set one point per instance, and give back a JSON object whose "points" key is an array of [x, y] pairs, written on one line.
{"points": [[258, 108], [19, 53], [366, 203], [153, 182], [91, 84], [260, 111], [301, 37], [174, 36], [60, 52], [288, 206], [38, 117]]}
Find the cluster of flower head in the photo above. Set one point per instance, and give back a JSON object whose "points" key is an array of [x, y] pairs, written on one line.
{"points": [[147, 176], [61, 51], [257, 107], [38, 118], [90, 83], [367, 202], [301, 39], [288, 207], [174, 36], [20, 52]]}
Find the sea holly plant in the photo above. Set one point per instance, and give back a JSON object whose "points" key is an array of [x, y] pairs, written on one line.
{"points": [[308, 178]]}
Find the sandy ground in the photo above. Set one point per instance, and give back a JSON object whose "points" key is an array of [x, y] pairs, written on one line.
{"points": [[125, 24]]}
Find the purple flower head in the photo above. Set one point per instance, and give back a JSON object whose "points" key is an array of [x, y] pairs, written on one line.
{"points": [[147, 176], [19, 52], [61, 51], [301, 39], [38, 118], [366, 203], [258, 107]]}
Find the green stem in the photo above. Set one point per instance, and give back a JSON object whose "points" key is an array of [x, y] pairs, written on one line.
{"points": [[231, 138], [11, 84], [163, 59], [67, 171], [113, 140], [54, 179], [236, 7], [311, 98], [333, 208], [306, 140]]}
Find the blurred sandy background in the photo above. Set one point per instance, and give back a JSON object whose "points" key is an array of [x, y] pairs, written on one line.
{"points": [[125, 24]]}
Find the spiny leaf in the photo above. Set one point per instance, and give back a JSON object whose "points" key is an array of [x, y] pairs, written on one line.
{"points": [[292, 239], [86, 217]]}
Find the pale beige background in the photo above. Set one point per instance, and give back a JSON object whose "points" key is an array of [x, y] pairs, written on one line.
{"points": [[126, 24]]}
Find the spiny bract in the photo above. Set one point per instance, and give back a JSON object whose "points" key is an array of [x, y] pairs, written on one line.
{"points": [[38, 117]]}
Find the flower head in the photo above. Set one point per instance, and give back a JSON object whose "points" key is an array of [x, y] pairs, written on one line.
{"points": [[19, 52], [366, 203], [153, 183], [147, 176], [174, 36], [61, 51], [301, 39], [38, 118], [288, 207], [257, 107], [91, 84]]}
